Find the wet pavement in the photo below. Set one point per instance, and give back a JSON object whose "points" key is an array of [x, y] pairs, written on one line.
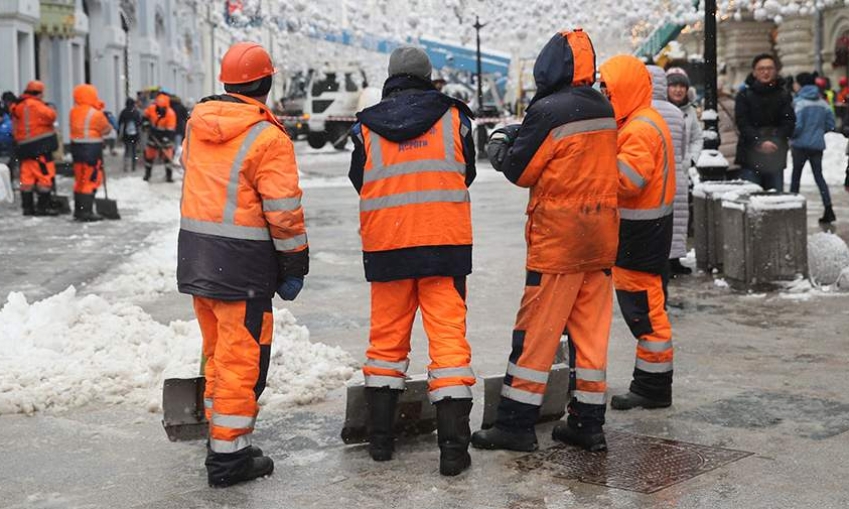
{"points": [[760, 412]]}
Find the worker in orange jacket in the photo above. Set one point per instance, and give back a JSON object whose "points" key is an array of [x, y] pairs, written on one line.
{"points": [[242, 237], [412, 163], [88, 126], [646, 164], [35, 141], [565, 152], [162, 129]]}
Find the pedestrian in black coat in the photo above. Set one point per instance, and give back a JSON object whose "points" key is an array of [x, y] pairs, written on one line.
{"points": [[129, 129], [765, 121]]}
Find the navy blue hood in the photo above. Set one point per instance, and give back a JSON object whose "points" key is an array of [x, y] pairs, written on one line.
{"points": [[408, 109]]}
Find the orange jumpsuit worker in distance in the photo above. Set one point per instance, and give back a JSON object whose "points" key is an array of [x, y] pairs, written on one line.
{"points": [[646, 163], [412, 164], [35, 141], [88, 126], [162, 122], [242, 237], [565, 152]]}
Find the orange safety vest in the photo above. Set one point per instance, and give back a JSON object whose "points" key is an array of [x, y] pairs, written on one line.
{"points": [[414, 192], [32, 124]]}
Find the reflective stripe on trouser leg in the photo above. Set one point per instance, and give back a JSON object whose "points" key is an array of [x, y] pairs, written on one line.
{"points": [[237, 337], [393, 309], [442, 300], [547, 301], [642, 301], [589, 331]]}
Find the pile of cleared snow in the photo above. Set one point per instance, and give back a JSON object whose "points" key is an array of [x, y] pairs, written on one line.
{"points": [[828, 256], [65, 352], [146, 274]]}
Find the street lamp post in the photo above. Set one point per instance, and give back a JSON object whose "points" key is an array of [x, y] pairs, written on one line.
{"points": [[711, 164], [481, 129]]}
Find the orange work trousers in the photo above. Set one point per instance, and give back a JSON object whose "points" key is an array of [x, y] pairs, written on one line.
{"points": [[37, 173], [87, 177], [642, 300], [237, 346], [393, 310], [151, 153], [579, 306]]}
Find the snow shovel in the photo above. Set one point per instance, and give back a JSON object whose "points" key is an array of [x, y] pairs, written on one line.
{"points": [[183, 415], [554, 401], [106, 207], [414, 415], [59, 202]]}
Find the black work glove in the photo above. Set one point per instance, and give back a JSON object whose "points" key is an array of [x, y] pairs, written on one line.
{"points": [[499, 144]]}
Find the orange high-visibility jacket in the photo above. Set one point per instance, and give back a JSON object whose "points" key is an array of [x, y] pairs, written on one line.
{"points": [[242, 225], [32, 123], [415, 211], [88, 125], [162, 127], [646, 164], [565, 151]]}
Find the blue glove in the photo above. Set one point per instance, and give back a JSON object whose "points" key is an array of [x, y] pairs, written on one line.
{"points": [[290, 287]]}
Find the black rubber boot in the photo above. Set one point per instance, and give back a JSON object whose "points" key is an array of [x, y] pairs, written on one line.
{"points": [[828, 216], [45, 205], [381, 403], [497, 438], [453, 435], [147, 170], [229, 469], [169, 174], [632, 400], [28, 203], [84, 205], [676, 268], [590, 438]]}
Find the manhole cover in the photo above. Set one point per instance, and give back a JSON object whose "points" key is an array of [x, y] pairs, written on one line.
{"points": [[632, 462], [798, 415]]}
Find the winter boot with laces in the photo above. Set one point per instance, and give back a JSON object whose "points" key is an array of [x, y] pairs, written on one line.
{"points": [[633, 400], [453, 435], [590, 438], [381, 403]]}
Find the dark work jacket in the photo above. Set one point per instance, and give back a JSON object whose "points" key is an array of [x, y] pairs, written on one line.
{"points": [[410, 106], [763, 113], [127, 116], [182, 117]]}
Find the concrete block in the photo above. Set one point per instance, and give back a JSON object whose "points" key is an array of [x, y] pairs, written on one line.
{"points": [[707, 219]]}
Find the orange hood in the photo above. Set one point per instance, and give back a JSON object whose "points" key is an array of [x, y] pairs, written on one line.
{"points": [[86, 95], [163, 101], [568, 59], [218, 120], [629, 84]]}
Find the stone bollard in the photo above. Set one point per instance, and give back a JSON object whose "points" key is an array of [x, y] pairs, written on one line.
{"points": [[765, 239], [707, 219]]}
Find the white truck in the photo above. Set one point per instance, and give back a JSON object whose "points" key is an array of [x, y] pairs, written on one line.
{"points": [[335, 95]]}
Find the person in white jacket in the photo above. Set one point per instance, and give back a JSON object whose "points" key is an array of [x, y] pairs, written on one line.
{"points": [[678, 87]]}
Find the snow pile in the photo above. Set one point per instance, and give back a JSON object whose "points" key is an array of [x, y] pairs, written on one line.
{"points": [[68, 351], [769, 201], [154, 203], [828, 256], [146, 274], [721, 188]]}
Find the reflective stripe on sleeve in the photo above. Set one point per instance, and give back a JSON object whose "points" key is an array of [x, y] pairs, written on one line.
{"points": [[645, 214], [591, 375], [393, 382], [453, 392], [529, 398], [531, 375], [207, 403], [230, 231], [654, 346], [415, 197], [665, 155], [290, 244], [27, 126], [653, 367], [462, 372], [233, 421], [590, 398], [235, 170], [400, 366], [631, 174], [230, 446], [584, 126], [281, 204]]}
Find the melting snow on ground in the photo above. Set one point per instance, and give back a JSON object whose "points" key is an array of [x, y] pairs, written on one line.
{"points": [[68, 351]]}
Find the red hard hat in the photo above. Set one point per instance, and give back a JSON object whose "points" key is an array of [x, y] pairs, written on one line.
{"points": [[844, 81], [821, 82], [245, 62], [34, 87]]}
